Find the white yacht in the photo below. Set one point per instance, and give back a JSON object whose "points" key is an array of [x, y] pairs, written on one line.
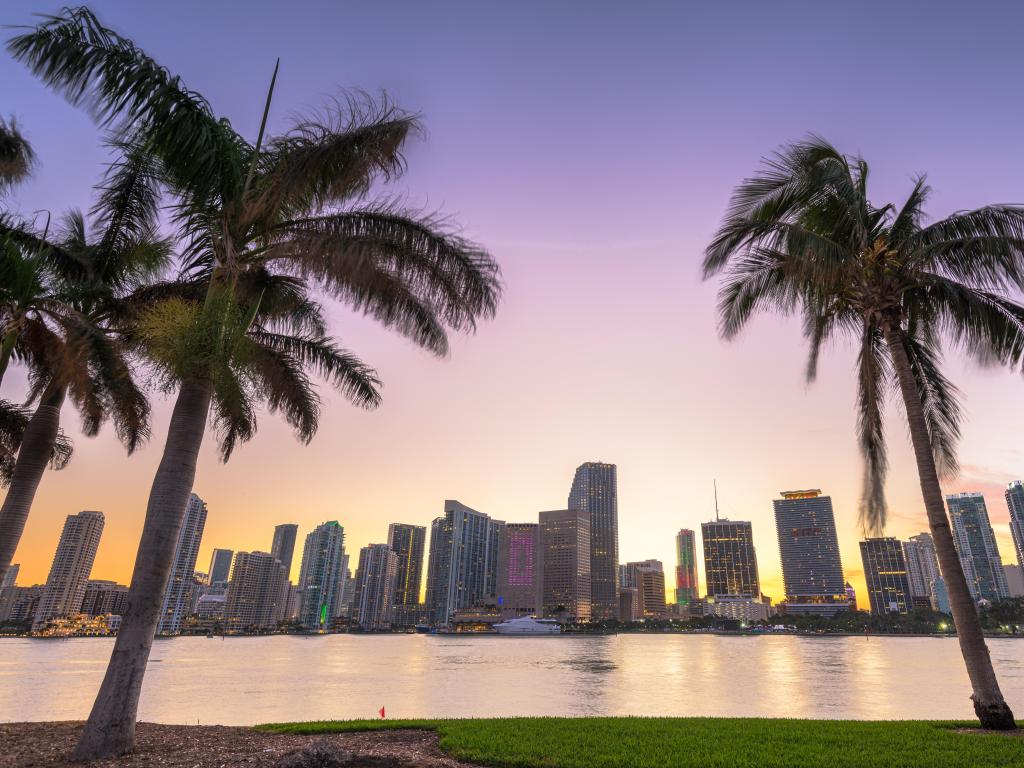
{"points": [[527, 625]]}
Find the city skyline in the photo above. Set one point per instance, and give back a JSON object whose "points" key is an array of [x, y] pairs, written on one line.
{"points": [[672, 437]]}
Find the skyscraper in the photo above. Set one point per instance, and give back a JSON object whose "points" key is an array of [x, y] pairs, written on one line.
{"points": [[565, 552], [922, 566], [730, 561], [322, 575], [375, 586], [687, 586], [11, 577], [283, 546], [519, 570], [811, 567], [178, 594], [72, 564], [595, 491], [648, 578], [1015, 503], [254, 595], [885, 571], [976, 546], [408, 542], [220, 566], [463, 565]]}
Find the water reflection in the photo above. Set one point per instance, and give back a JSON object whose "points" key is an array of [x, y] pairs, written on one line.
{"points": [[249, 680]]}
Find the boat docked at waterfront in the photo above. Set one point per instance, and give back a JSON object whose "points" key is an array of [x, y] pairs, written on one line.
{"points": [[527, 625]]}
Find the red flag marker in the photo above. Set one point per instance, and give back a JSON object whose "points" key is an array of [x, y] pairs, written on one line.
{"points": [[382, 713]]}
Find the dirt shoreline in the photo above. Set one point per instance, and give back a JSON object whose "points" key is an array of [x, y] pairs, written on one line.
{"points": [[35, 745]]}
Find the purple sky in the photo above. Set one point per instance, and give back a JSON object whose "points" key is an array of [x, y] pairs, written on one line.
{"points": [[592, 149]]}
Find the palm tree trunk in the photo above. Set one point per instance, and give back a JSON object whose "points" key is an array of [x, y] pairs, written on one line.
{"points": [[33, 456], [989, 705], [110, 730]]}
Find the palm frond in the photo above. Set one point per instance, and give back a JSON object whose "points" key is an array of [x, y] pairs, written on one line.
{"points": [[940, 400], [16, 155], [873, 379]]}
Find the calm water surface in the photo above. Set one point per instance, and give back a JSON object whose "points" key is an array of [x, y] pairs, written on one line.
{"points": [[248, 680]]}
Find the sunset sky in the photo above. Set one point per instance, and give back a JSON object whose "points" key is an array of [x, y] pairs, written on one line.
{"points": [[593, 152]]}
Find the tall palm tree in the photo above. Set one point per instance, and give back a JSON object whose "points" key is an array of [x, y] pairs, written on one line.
{"points": [[252, 217], [802, 237]]}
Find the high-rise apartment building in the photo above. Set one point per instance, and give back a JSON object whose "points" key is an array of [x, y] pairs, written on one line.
{"points": [[322, 575], [922, 565], [648, 578], [565, 554], [103, 597], [976, 546], [1014, 580], [408, 542], [1015, 504], [375, 586], [463, 566], [257, 586], [811, 567], [885, 571], [595, 491], [519, 570], [283, 546], [687, 586], [72, 564], [730, 561], [220, 566], [179, 592]]}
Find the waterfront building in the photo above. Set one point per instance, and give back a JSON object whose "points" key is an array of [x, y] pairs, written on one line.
{"points": [[462, 571], [885, 571], [629, 604], [976, 546], [648, 578], [565, 554], [940, 596], [220, 566], [72, 564], [1015, 504], [922, 565], [252, 602], [409, 543], [348, 591], [851, 596], [18, 604], [283, 546], [375, 586], [730, 561], [104, 597], [11, 577], [178, 595], [1014, 580], [744, 609], [519, 570], [595, 491], [687, 586], [322, 575], [809, 548]]}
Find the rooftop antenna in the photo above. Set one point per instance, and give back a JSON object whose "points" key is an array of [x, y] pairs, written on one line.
{"points": [[715, 482]]}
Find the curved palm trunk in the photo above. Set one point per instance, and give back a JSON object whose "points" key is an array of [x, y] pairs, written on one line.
{"points": [[110, 730], [33, 456], [991, 709]]}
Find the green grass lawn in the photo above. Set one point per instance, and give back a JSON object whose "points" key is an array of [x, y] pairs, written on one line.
{"points": [[617, 742]]}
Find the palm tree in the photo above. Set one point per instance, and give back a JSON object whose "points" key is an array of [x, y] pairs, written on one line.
{"points": [[256, 221], [16, 155], [802, 237]]}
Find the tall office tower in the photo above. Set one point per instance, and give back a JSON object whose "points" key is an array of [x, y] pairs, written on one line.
{"points": [[565, 552], [375, 586], [103, 597], [519, 570], [220, 566], [595, 491], [922, 565], [72, 563], [976, 545], [627, 577], [730, 561], [408, 542], [648, 578], [348, 591], [11, 577], [178, 594], [1015, 503], [463, 565], [322, 575], [283, 547], [687, 586], [254, 595], [1014, 580], [811, 568], [885, 571]]}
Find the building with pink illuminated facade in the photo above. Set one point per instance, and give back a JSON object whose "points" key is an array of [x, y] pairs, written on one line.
{"points": [[519, 570]]}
